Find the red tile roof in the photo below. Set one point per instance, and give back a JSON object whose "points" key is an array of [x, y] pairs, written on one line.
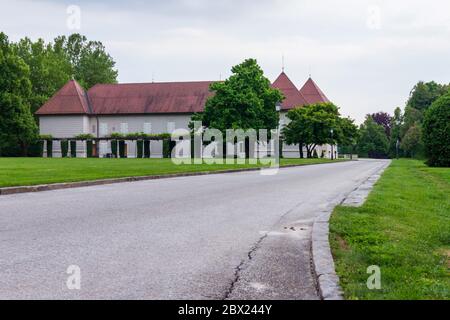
{"points": [[141, 98], [70, 99], [312, 93], [293, 97], [166, 97]]}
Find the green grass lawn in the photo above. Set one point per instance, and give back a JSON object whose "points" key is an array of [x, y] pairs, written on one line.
{"points": [[33, 171], [404, 228]]}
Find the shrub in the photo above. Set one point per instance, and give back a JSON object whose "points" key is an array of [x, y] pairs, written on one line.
{"points": [[49, 148], [84, 136], [436, 132], [116, 135], [140, 147], [89, 148], [64, 148], [122, 149], [146, 149], [167, 148], [36, 149], [114, 148], [73, 148]]}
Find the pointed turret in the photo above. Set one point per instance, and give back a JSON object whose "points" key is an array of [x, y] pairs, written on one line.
{"points": [[312, 93], [293, 97], [70, 99]]}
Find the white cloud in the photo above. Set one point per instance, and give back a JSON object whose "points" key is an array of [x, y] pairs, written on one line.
{"points": [[362, 69]]}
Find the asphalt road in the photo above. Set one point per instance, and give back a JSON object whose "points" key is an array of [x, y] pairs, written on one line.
{"points": [[227, 236]]}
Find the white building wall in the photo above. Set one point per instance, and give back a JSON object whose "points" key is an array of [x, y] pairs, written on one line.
{"points": [[63, 126], [141, 123], [70, 126]]}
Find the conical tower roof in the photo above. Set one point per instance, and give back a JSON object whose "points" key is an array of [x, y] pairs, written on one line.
{"points": [[312, 93], [70, 99], [293, 97]]}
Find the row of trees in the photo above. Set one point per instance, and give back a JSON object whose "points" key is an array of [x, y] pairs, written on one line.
{"points": [[32, 71], [408, 132], [318, 124], [246, 100]]}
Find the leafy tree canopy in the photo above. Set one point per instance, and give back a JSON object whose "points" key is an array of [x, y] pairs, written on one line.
{"points": [[372, 141], [318, 124], [90, 62], [425, 93], [17, 126], [49, 69], [244, 101], [383, 119], [436, 132]]}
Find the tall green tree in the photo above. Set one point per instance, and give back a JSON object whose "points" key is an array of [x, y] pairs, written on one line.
{"points": [[425, 93], [436, 132], [412, 141], [49, 69], [396, 132], [244, 101], [17, 126], [312, 125], [297, 131], [91, 64], [347, 134], [372, 140]]}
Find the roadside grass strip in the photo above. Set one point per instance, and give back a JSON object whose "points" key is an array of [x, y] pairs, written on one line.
{"points": [[403, 229]]}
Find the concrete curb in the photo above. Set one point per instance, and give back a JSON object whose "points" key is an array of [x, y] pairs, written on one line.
{"points": [[322, 259], [67, 185]]}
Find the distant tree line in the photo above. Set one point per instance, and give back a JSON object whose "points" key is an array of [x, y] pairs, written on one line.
{"points": [[421, 130], [246, 100], [33, 71]]}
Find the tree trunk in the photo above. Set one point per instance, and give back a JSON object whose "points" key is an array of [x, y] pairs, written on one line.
{"points": [[300, 149]]}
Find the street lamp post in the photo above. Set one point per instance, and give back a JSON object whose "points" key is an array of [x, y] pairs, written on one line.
{"points": [[332, 151]]}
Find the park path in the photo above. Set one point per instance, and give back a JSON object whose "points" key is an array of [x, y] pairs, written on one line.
{"points": [[227, 236]]}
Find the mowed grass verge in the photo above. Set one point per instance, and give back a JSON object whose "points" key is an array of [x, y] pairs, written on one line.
{"points": [[34, 171], [404, 228]]}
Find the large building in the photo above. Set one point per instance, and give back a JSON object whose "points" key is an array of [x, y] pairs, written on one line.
{"points": [[148, 107]]}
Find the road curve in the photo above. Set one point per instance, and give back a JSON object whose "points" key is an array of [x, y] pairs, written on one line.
{"points": [[227, 236]]}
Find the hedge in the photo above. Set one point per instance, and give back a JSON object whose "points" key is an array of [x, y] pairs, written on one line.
{"points": [[114, 148], [140, 147], [168, 146], [122, 149], [89, 148], [64, 148], [73, 148], [146, 149], [436, 132], [49, 148]]}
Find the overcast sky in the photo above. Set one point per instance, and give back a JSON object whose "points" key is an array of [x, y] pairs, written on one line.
{"points": [[365, 55]]}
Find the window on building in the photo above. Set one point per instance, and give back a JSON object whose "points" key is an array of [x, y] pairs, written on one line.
{"points": [[124, 128], [170, 127], [103, 129], [147, 128], [93, 128]]}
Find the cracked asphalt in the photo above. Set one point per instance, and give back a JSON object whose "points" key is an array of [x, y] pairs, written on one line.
{"points": [[226, 236]]}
